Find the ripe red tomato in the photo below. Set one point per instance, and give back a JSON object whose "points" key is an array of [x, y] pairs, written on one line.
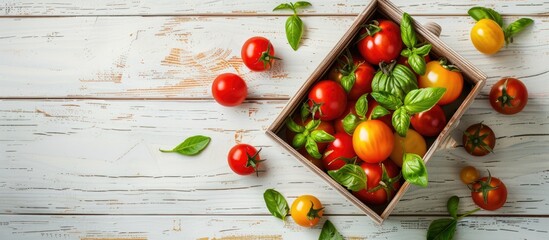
{"points": [[440, 74], [429, 123], [244, 159], [338, 123], [258, 54], [373, 141], [508, 96], [489, 193], [479, 139], [381, 45], [228, 89], [327, 100], [338, 151], [374, 174]]}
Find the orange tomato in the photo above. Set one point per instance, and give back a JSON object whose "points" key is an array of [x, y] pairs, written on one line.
{"points": [[412, 143], [307, 210], [436, 75], [373, 141], [487, 36]]}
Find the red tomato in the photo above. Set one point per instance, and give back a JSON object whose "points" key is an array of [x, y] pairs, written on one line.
{"points": [[429, 123], [374, 174], [258, 54], [327, 100], [229, 90], [338, 151], [373, 141], [489, 193], [508, 96], [338, 123], [244, 159], [440, 74], [382, 46], [479, 139]]}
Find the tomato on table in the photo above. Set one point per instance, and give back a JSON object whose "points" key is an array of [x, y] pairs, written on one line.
{"points": [[327, 100], [469, 175], [244, 159], [412, 143], [339, 152], [441, 74], [479, 139], [258, 54], [487, 36], [373, 141], [229, 89], [379, 190], [381, 42], [429, 123], [306, 210], [489, 193], [508, 96]]}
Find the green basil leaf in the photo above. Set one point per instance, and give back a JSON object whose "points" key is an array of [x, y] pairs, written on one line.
{"points": [[322, 136], [387, 100], [423, 50], [414, 170], [401, 121], [329, 232], [407, 31], [406, 52], [294, 31], [361, 106], [479, 13], [302, 4], [398, 82], [276, 203], [442, 229], [312, 148], [517, 26], [452, 206], [423, 99], [350, 122], [299, 140], [348, 81], [379, 111], [293, 126], [283, 6], [305, 111], [312, 125], [417, 63], [191, 146], [350, 176]]}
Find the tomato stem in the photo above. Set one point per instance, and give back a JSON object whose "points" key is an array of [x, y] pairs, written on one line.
{"points": [[468, 213], [313, 213], [505, 99]]}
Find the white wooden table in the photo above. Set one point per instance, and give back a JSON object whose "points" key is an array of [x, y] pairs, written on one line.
{"points": [[91, 89]]}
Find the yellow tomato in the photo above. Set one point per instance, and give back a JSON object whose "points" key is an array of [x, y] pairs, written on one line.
{"points": [[412, 143], [469, 175], [487, 36], [306, 210], [436, 75]]}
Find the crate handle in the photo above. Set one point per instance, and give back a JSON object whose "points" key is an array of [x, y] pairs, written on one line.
{"points": [[434, 28]]}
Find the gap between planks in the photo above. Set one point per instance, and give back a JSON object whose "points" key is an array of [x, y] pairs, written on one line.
{"points": [[263, 215], [253, 15]]}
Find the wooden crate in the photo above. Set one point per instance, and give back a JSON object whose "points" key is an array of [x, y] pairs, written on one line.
{"points": [[474, 81]]}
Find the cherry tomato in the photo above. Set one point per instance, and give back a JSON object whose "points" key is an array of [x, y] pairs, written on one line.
{"points": [[374, 173], [373, 141], [508, 96], [469, 175], [306, 210], [487, 36], [383, 45], [228, 89], [412, 143], [440, 74], [479, 139], [327, 100], [244, 159], [489, 193], [338, 123], [258, 54], [339, 151], [429, 123]]}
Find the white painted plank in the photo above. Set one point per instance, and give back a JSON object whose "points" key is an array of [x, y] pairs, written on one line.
{"points": [[254, 227], [166, 57], [239, 7], [101, 157]]}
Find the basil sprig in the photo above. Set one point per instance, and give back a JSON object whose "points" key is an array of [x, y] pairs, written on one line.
{"points": [[294, 24], [445, 228], [276, 203], [308, 136], [350, 176], [329, 232], [414, 51], [510, 31], [351, 121], [191, 146]]}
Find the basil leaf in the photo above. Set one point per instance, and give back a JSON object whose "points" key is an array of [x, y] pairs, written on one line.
{"points": [[387, 100], [398, 81], [302, 4], [378, 112], [423, 99], [329, 232], [294, 127], [322, 136], [407, 31], [442, 229], [516, 27], [350, 176], [312, 148], [276, 203], [401, 121], [305, 111], [350, 122], [299, 140], [423, 50], [312, 125], [406, 52], [414, 170], [191, 146], [361, 106], [294, 31], [348, 81], [417, 63], [479, 13], [452, 206], [283, 6]]}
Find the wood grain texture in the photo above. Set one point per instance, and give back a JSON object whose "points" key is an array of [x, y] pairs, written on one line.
{"points": [[178, 57], [254, 228], [101, 157], [252, 7]]}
